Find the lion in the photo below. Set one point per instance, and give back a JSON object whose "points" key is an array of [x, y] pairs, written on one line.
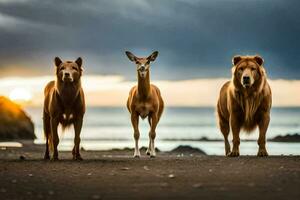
{"points": [[245, 103]]}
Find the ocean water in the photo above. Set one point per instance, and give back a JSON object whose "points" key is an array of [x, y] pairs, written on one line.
{"points": [[106, 128]]}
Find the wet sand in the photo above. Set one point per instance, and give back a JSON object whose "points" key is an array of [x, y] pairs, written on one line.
{"points": [[116, 175]]}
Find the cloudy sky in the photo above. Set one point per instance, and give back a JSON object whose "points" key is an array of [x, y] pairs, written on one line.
{"points": [[195, 38]]}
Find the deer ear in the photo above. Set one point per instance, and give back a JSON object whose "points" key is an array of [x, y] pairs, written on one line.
{"points": [[79, 62], [259, 60], [130, 56], [57, 61], [236, 59], [153, 56]]}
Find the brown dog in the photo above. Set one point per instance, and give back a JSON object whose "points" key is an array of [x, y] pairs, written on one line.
{"points": [[64, 104], [144, 101], [245, 103]]}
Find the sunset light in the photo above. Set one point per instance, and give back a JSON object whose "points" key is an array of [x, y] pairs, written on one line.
{"points": [[20, 95], [149, 99]]}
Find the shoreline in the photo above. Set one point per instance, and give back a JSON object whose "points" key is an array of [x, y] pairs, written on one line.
{"points": [[115, 174], [163, 147], [289, 138]]}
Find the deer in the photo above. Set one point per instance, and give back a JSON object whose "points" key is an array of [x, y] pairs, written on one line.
{"points": [[144, 101]]}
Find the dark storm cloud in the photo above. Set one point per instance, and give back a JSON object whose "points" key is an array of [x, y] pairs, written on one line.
{"points": [[195, 38]]}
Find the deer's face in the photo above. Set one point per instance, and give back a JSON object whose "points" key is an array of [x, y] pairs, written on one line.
{"points": [[142, 67], [142, 64]]}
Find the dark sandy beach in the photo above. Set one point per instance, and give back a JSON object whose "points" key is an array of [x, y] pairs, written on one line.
{"points": [[116, 175]]}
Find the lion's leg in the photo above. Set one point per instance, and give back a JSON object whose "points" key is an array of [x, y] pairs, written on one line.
{"points": [[263, 126], [224, 127], [235, 128]]}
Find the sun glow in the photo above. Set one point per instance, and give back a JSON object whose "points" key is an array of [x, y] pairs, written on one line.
{"points": [[113, 90], [20, 95]]}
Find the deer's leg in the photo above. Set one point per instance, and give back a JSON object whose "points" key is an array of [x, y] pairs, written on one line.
{"points": [[263, 126], [135, 125], [76, 149], [55, 138], [149, 147], [152, 134]]}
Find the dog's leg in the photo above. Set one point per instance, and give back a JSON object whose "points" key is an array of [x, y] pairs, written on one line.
{"points": [[263, 126], [225, 129], [135, 124], [47, 132], [76, 149], [55, 138], [235, 128], [47, 155], [152, 135]]}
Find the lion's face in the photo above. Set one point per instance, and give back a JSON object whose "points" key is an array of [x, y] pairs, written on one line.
{"points": [[247, 69], [68, 71]]}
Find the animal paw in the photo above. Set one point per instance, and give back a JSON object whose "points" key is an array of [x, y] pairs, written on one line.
{"points": [[262, 153], [77, 157], [137, 154], [46, 157], [234, 153], [148, 152], [152, 154], [54, 158], [227, 152]]}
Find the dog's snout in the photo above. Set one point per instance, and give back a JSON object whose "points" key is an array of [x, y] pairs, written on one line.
{"points": [[246, 79], [67, 74]]}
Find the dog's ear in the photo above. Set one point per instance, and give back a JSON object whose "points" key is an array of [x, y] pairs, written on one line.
{"points": [[236, 59], [57, 61], [131, 56], [153, 56], [78, 61], [259, 60]]}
